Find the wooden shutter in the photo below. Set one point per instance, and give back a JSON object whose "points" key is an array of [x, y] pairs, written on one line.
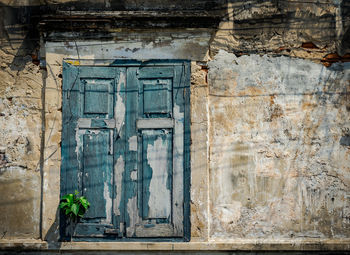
{"points": [[125, 146], [156, 158], [90, 129]]}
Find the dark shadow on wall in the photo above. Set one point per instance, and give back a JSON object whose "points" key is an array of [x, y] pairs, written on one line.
{"points": [[138, 5], [19, 25], [18, 34], [344, 46], [271, 26], [253, 22], [53, 234]]}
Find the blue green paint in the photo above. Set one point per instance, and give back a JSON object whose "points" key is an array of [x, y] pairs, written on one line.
{"points": [[91, 94]]}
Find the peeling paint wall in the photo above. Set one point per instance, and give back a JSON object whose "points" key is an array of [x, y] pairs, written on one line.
{"points": [[269, 119], [277, 165]]}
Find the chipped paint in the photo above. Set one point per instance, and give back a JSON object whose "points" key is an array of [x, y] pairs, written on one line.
{"points": [[172, 47], [133, 175], [73, 62], [110, 123], [84, 123], [108, 199], [154, 123], [94, 131], [178, 163], [79, 147], [78, 140], [133, 213], [111, 143], [133, 143], [119, 111], [277, 168], [159, 195], [118, 178]]}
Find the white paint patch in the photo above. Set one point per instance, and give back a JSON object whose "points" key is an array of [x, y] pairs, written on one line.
{"points": [[229, 214], [84, 123], [133, 215], [159, 199], [133, 143], [154, 123], [110, 123], [78, 141], [133, 175], [107, 197], [118, 175], [119, 111], [176, 45], [79, 147], [178, 163], [179, 131]]}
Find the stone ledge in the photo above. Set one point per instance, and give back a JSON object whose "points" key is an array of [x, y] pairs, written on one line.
{"points": [[229, 245], [23, 244]]}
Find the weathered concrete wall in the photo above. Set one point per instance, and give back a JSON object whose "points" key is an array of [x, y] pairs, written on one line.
{"points": [[20, 128], [269, 133], [309, 29], [279, 150]]}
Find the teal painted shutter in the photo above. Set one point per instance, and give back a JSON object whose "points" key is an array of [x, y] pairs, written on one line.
{"points": [[125, 146], [156, 158], [90, 129]]}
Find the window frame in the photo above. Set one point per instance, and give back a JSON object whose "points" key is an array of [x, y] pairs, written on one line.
{"points": [[187, 136]]}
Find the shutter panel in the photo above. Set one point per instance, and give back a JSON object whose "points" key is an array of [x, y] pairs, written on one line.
{"points": [[88, 143], [155, 201], [125, 146]]}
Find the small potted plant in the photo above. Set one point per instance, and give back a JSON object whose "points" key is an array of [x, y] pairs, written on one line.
{"points": [[74, 207]]}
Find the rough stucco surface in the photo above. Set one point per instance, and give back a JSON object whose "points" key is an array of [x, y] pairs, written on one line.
{"points": [[269, 134], [199, 153], [283, 26], [20, 128], [278, 166]]}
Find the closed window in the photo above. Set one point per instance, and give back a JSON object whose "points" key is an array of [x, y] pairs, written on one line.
{"points": [[125, 146]]}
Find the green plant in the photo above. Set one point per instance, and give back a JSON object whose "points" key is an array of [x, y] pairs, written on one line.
{"points": [[74, 206]]}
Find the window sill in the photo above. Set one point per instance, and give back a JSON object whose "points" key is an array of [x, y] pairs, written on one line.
{"points": [[229, 245]]}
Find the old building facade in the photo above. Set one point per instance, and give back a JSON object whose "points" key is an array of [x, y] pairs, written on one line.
{"points": [[197, 125]]}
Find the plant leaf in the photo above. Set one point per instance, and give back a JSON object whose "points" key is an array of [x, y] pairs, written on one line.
{"points": [[67, 211], [69, 198], [84, 202], [63, 204], [74, 206], [75, 209], [64, 197]]}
